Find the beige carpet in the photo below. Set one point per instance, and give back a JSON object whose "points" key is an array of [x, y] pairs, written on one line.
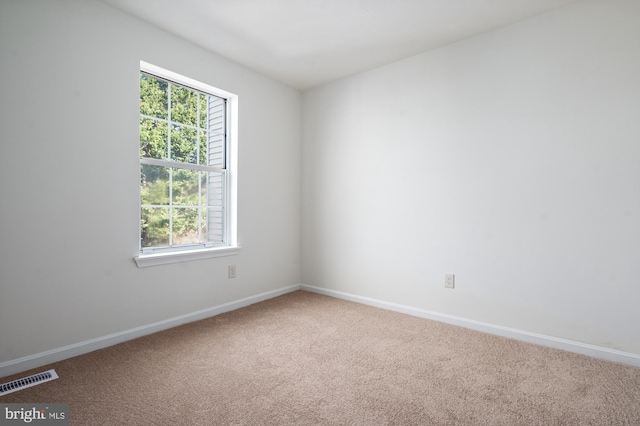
{"points": [[307, 359]]}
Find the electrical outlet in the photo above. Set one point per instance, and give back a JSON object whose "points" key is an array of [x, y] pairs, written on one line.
{"points": [[232, 271], [449, 280]]}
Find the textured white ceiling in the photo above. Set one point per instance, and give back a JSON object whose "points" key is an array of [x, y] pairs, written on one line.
{"points": [[304, 43]]}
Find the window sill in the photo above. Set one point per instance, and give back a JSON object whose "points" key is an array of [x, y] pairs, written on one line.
{"points": [[145, 260]]}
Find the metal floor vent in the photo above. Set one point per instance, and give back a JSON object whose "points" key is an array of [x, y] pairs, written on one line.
{"points": [[27, 382]]}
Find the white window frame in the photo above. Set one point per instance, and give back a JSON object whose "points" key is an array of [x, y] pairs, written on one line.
{"points": [[175, 254]]}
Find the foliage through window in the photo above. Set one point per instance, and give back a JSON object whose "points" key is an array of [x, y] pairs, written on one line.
{"points": [[183, 173]]}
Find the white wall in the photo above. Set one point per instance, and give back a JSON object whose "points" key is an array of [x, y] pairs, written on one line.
{"points": [[69, 173], [511, 159]]}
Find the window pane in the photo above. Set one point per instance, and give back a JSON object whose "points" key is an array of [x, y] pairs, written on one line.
{"points": [[203, 189], [154, 226], [215, 225], [184, 105], [215, 146], [203, 111], [216, 132], [153, 138], [215, 186], [203, 225], [216, 115], [185, 190], [184, 144], [153, 96], [185, 226], [202, 150], [154, 185]]}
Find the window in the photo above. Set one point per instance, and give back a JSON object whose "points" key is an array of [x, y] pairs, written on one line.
{"points": [[187, 191]]}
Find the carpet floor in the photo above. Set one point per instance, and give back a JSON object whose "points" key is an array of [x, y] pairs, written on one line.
{"points": [[308, 359]]}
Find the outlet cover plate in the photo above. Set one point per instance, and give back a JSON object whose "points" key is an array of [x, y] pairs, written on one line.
{"points": [[449, 281]]}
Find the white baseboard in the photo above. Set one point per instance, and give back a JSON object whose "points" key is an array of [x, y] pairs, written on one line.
{"points": [[38, 360], [539, 339]]}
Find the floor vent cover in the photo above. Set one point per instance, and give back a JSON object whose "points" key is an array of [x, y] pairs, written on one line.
{"points": [[27, 382]]}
